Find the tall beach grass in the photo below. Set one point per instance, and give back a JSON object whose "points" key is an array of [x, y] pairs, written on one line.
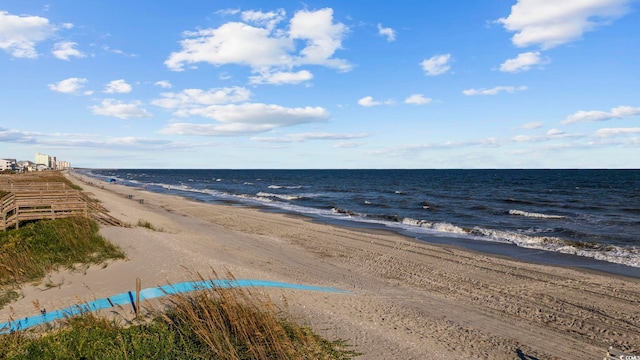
{"points": [[29, 253], [215, 323]]}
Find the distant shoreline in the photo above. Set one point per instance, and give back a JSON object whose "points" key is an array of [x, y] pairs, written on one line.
{"points": [[509, 251]]}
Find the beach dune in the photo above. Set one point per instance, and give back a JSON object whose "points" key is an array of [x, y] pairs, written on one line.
{"points": [[406, 299]]}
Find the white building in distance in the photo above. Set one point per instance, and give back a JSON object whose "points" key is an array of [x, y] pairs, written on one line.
{"points": [[8, 164]]}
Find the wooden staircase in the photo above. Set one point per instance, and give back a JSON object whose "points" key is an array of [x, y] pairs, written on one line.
{"points": [[37, 201]]}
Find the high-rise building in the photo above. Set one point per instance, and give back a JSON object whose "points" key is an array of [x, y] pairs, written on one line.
{"points": [[43, 159]]}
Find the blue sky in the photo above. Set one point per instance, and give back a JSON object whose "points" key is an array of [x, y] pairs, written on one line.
{"points": [[322, 84]]}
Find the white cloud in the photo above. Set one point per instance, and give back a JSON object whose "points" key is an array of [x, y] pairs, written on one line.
{"points": [[232, 43], [263, 114], [302, 137], [436, 65], [595, 115], [612, 132], [87, 141], [15, 136], [322, 35], [197, 98], [64, 50], [213, 129], [163, 84], [494, 90], [268, 19], [523, 62], [119, 109], [525, 138], [417, 99], [20, 34], [225, 12], [68, 86], [118, 86], [368, 101], [389, 33], [231, 119], [117, 51], [550, 23], [279, 78], [532, 125], [247, 118], [266, 49], [551, 135]]}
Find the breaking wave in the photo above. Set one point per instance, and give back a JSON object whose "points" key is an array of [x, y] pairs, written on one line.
{"points": [[628, 255], [535, 215], [285, 187], [279, 196]]}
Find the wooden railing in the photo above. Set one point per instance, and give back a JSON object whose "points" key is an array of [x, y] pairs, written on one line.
{"points": [[37, 201], [34, 186], [8, 209]]}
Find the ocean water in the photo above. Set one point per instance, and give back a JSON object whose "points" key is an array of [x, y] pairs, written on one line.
{"points": [[587, 214]]}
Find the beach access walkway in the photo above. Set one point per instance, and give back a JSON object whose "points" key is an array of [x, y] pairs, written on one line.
{"points": [[33, 200]]}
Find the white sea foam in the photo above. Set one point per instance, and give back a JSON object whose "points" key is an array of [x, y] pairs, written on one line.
{"points": [[534, 215], [436, 226], [450, 228], [412, 222], [284, 187], [278, 196], [629, 256]]}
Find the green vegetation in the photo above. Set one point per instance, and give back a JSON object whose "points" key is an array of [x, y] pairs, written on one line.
{"points": [[29, 253], [54, 176], [148, 225], [210, 324]]}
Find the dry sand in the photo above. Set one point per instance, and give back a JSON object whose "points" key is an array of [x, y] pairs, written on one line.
{"points": [[408, 300]]}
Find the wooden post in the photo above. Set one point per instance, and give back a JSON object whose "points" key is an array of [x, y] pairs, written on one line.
{"points": [[138, 286]]}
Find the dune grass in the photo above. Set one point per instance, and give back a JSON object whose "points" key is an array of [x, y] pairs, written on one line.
{"points": [[214, 323], [37, 248], [52, 176], [148, 225]]}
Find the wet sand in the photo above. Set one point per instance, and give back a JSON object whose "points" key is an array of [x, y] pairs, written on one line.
{"points": [[407, 300]]}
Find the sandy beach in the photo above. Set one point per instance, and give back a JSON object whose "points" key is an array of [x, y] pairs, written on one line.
{"points": [[406, 300]]}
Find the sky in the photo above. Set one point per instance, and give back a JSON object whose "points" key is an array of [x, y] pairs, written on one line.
{"points": [[322, 84]]}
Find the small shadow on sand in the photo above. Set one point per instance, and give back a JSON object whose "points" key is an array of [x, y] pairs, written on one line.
{"points": [[523, 356]]}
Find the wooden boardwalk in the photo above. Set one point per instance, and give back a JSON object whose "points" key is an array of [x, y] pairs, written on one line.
{"points": [[47, 200]]}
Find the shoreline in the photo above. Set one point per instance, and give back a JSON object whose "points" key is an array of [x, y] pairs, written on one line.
{"points": [[486, 247], [408, 299], [480, 248]]}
